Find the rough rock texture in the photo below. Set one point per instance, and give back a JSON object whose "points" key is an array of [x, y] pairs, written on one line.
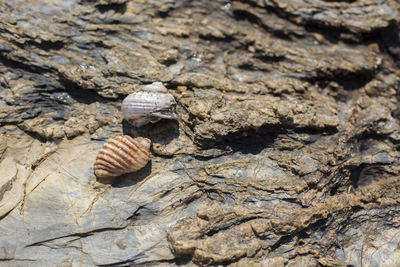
{"points": [[286, 152]]}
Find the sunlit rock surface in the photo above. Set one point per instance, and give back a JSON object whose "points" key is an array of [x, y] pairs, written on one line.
{"points": [[286, 152]]}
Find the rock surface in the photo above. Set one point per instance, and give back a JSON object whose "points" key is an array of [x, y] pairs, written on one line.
{"points": [[286, 152]]}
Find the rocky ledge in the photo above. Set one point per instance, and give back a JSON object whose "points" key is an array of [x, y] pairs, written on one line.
{"points": [[286, 152]]}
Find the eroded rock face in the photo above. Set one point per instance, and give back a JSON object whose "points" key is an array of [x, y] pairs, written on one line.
{"points": [[286, 152]]}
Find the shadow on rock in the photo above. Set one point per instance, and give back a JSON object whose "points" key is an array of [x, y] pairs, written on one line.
{"points": [[133, 178], [162, 132], [251, 141]]}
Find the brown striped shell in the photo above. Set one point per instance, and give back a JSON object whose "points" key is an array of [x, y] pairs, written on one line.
{"points": [[122, 154]]}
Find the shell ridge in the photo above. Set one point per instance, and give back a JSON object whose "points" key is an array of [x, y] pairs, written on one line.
{"points": [[111, 159], [102, 164], [136, 146], [116, 155], [143, 152], [131, 149], [121, 147], [105, 170]]}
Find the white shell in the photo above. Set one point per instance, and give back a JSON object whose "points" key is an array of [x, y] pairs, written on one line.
{"points": [[150, 104], [154, 87]]}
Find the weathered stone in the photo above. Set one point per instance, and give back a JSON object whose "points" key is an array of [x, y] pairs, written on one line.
{"points": [[285, 153]]}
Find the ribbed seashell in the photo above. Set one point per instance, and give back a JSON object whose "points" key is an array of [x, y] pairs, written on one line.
{"points": [[122, 154], [150, 104]]}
